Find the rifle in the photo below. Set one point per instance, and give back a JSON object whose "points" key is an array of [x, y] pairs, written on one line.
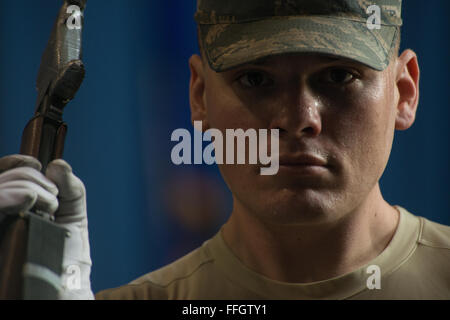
{"points": [[31, 244]]}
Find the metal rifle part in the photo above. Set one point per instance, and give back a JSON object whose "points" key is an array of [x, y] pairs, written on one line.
{"points": [[59, 78], [31, 244]]}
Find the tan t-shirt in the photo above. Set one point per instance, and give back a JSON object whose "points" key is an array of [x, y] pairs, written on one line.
{"points": [[415, 265]]}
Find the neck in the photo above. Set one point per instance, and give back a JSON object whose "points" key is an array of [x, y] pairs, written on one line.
{"points": [[304, 254]]}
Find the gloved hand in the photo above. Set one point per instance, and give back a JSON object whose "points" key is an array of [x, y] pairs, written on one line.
{"points": [[23, 186]]}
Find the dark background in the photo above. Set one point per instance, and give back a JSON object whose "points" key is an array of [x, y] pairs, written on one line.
{"points": [[144, 211]]}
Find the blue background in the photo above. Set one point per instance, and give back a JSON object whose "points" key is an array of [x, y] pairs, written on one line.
{"points": [[136, 93]]}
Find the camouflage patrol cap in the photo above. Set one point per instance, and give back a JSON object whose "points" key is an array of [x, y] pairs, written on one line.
{"points": [[235, 32]]}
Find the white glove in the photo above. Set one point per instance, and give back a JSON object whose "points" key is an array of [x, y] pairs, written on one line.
{"points": [[22, 186]]}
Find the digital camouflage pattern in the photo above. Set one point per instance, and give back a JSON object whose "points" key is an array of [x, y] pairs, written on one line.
{"points": [[235, 32]]}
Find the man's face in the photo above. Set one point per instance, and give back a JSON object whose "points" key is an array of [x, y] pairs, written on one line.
{"points": [[336, 121]]}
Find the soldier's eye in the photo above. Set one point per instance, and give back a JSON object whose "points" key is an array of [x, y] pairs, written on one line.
{"points": [[338, 76], [255, 79]]}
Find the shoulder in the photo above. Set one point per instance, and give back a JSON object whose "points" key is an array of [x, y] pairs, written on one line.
{"points": [[180, 269], [434, 235], [430, 261], [425, 274], [166, 282], [423, 232]]}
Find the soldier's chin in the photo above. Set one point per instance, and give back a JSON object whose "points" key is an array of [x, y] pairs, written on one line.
{"points": [[299, 210]]}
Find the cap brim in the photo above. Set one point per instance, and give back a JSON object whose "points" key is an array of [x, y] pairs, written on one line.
{"points": [[231, 45]]}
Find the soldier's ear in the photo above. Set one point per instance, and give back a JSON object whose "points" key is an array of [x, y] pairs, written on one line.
{"points": [[407, 81], [197, 94]]}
